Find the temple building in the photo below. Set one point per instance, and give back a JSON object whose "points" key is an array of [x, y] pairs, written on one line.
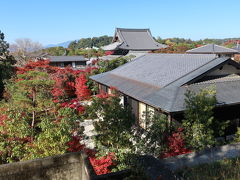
{"points": [[127, 41]]}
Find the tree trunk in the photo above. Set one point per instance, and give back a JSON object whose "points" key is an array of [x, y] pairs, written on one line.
{"points": [[33, 113]]}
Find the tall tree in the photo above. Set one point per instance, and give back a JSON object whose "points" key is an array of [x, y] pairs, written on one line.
{"points": [[31, 123], [25, 49], [90, 42], [6, 62]]}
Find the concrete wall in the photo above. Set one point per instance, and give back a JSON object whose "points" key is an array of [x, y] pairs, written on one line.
{"points": [[70, 166], [202, 157]]}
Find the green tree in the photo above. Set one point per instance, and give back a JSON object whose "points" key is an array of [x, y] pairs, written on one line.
{"points": [[115, 121], [55, 51], [54, 135], [31, 125], [6, 62], [238, 135], [32, 92], [199, 118], [90, 42], [105, 66]]}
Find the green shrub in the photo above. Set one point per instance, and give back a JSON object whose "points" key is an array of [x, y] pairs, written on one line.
{"points": [[199, 118]]}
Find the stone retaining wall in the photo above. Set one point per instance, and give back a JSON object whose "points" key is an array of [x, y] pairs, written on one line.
{"points": [[70, 166]]}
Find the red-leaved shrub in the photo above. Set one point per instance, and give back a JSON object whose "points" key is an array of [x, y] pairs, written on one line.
{"points": [[176, 145], [100, 165]]}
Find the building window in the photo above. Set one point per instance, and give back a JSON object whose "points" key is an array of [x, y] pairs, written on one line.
{"points": [[103, 88], [134, 105]]}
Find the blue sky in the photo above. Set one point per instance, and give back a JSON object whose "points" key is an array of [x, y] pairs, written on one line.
{"points": [[55, 21]]}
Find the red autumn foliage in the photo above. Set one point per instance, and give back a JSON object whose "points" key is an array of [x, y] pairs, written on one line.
{"points": [[235, 41], [109, 53], [100, 165], [176, 145], [82, 90], [89, 70], [64, 87], [102, 95], [199, 45], [103, 164], [3, 117], [23, 140], [42, 65], [74, 144], [65, 78], [74, 104], [94, 62]]}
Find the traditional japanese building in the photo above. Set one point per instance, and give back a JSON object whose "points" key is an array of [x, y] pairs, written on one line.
{"points": [[137, 40], [64, 61], [213, 49], [161, 84]]}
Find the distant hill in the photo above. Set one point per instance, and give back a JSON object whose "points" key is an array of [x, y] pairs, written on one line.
{"points": [[63, 44], [105, 40]]}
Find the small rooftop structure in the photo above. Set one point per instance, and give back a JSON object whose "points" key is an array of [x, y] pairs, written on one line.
{"points": [[133, 39], [212, 49]]}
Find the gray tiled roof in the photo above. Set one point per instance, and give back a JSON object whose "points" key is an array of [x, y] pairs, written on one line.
{"points": [[134, 39], [227, 92], [212, 49], [237, 47], [158, 79], [66, 58], [112, 46], [161, 70]]}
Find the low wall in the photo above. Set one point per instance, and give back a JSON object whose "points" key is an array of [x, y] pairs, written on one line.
{"points": [[70, 166], [202, 157], [76, 166]]}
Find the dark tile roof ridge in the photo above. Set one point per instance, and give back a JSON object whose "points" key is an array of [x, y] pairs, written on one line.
{"points": [[174, 98], [121, 37], [132, 29], [193, 71]]}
